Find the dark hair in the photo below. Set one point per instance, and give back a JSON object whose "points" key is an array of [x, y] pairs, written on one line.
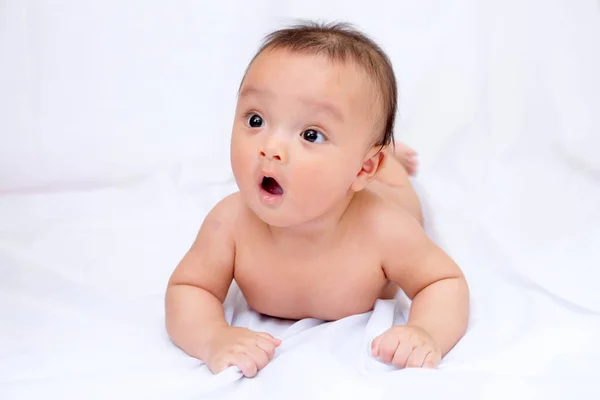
{"points": [[341, 42]]}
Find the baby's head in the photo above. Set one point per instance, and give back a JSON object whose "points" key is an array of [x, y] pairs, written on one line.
{"points": [[315, 109]]}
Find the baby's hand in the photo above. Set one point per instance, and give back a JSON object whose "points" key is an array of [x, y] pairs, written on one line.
{"points": [[407, 347], [248, 350]]}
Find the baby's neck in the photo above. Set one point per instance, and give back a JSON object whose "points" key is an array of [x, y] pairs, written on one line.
{"points": [[321, 231]]}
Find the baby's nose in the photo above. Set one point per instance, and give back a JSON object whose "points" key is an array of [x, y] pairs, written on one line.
{"points": [[274, 152]]}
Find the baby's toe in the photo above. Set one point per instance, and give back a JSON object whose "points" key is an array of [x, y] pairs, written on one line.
{"points": [[403, 150], [407, 157]]}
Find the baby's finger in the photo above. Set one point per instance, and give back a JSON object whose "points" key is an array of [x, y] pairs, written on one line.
{"points": [[268, 340], [267, 346], [375, 346], [432, 360], [245, 363], [387, 347], [258, 355], [417, 357], [219, 366], [402, 354], [265, 335]]}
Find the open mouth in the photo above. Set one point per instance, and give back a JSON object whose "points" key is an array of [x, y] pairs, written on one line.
{"points": [[271, 186]]}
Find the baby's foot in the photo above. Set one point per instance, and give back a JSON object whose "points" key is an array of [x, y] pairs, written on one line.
{"points": [[407, 157]]}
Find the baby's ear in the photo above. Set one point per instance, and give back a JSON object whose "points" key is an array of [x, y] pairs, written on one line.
{"points": [[371, 165]]}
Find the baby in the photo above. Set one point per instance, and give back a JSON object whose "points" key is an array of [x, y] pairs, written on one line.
{"points": [[325, 221]]}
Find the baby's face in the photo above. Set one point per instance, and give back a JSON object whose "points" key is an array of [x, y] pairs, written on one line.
{"points": [[303, 127]]}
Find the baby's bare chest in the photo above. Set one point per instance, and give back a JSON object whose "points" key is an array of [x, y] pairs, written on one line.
{"points": [[326, 283]]}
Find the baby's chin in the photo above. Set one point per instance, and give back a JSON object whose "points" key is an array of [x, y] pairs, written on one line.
{"points": [[273, 217], [280, 217]]}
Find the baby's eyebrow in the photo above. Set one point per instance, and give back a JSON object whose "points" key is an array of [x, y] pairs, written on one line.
{"points": [[326, 106], [321, 105], [250, 90]]}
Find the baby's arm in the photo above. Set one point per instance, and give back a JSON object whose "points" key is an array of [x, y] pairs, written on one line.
{"points": [[199, 284], [195, 318], [440, 296]]}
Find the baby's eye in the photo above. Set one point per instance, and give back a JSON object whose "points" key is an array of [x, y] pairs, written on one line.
{"points": [[255, 121], [313, 136]]}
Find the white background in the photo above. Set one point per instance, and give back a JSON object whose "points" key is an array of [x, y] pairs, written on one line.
{"points": [[95, 92]]}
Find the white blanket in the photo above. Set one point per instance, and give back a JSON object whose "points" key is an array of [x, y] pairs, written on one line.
{"points": [[83, 277], [114, 129]]}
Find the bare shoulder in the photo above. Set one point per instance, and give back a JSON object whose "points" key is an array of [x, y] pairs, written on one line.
{"points": [[397, 224], [208, 264], [226, 211], [387, 221], [219, 224], [408, 256]]}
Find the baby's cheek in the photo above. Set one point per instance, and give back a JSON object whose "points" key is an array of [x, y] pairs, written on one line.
{"points": [[238, 153], [342, 175], [239, 166], [235, 162], [324, 184]]}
